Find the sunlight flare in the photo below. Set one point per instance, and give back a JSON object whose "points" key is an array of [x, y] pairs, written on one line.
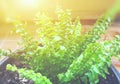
{"points": [[29, 3]]}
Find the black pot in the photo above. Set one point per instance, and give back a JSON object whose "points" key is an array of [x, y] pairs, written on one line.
{"points": [[112, 78], [9, 77]]}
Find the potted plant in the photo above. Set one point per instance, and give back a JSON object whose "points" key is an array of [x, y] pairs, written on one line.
{"points": [[62, 53]]}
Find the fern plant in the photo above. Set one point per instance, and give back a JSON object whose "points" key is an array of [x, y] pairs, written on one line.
{"points": [[79, 65], [100, 26], [28, 42], [60, 44], [5, 52], [59, 41], [93, 62], [30, 74]]}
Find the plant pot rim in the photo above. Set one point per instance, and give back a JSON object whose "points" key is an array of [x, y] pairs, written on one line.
{"points": [[117, 74]]}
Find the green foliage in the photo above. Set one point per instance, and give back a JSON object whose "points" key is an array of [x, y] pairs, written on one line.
{"points": [[94, 57], [93, 62], [30, 74], [57, 46], [99, 28], [5, 52], [62, 49], [1, 52], [28, 42]]}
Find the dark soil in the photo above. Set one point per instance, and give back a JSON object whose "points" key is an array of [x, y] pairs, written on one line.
{"points": [[8, 77], [110, 79]]}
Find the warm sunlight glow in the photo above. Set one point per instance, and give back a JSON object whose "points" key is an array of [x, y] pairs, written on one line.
{"points": [[25, 9], [28, 3]]}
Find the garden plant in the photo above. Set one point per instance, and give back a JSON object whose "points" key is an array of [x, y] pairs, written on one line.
{"points": [[61, 54]]}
